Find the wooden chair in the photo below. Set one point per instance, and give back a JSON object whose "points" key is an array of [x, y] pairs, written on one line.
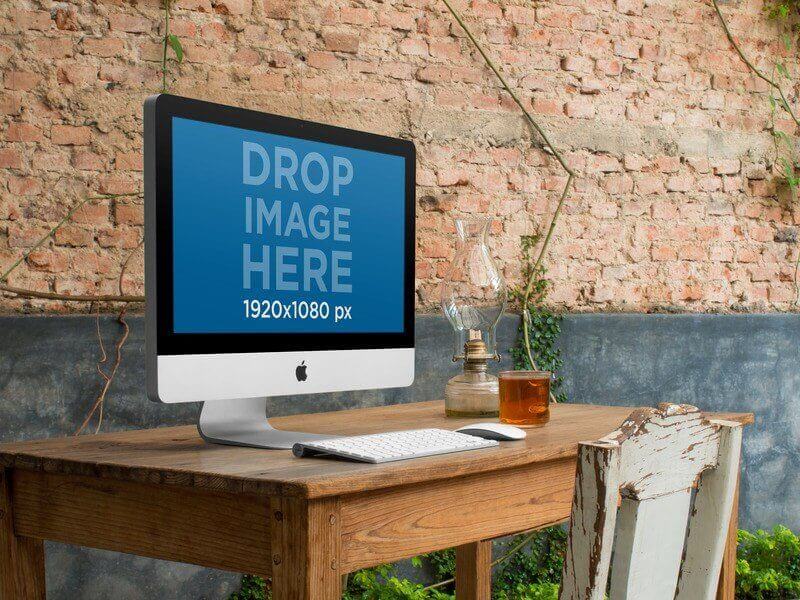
{"points": [[676, 473]]}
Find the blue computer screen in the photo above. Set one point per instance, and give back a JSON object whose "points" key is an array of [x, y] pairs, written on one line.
{"points": [[275, 234]]}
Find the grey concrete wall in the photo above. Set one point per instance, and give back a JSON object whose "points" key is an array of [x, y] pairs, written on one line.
{"points": [[719, 362], [744, 363]]}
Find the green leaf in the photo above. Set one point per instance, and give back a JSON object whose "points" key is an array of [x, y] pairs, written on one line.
{"points": [[176, 46], [781, 68], [787, 41]]}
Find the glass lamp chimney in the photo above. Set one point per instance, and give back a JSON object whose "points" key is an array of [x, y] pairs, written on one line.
{"points": [[473, 297]]}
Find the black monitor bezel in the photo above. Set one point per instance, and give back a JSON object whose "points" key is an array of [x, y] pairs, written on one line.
{"points": [[159, 112]]}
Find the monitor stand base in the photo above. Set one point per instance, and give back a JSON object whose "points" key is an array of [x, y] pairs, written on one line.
{"points": [[243, 422]]}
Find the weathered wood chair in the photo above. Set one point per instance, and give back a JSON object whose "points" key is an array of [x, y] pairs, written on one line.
{"points": [[676, 473]]}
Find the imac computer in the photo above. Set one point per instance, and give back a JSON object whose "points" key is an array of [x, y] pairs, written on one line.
{"points": [[279, 261]]}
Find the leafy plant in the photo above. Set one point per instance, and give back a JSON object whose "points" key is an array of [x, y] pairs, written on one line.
{"points": [[382, 583], [253, 588], [768, 565], [539, 564], [786, 161], [768, 568], [530, 571], [782, 9], [170, 41], [534, 591], [535, 347]]}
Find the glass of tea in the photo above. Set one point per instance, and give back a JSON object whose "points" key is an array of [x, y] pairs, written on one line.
{"points": [[525, 397]]}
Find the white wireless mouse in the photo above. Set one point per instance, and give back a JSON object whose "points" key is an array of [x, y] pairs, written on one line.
{"points": [[493, 431]]}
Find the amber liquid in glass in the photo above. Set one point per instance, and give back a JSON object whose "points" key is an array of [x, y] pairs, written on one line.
{"points": [[524, 400]]}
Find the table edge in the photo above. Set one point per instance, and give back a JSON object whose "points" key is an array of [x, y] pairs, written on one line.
{"points": [[307, 487]]}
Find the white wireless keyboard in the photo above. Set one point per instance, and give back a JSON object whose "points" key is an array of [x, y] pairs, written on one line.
{"points": [[394, 445]]}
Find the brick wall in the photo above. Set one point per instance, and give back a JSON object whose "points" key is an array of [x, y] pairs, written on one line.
{"points": [[676, 204]]}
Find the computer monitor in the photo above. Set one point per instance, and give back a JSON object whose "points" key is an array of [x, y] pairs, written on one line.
{"points": [[279, 260]]}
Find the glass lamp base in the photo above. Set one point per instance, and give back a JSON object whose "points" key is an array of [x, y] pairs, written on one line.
{"points": [[472, 394]]}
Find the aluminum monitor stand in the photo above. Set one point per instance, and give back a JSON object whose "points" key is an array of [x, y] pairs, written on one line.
{"points": [[243, 422]]}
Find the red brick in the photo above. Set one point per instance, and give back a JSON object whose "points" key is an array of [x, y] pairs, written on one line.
{"points": [[609, 66], [451, 177], [214, 32], [435, 248], [445, 49], [630, 7], [23, 132], [129, 214], [24, 186], [197, 5], [70, 135], [106, 47], [337, 41], [679, 183], [21, 80], [433, 74], [117, 184], [47, 260], [10, 158], [413, 47], [10, 103], [195, 53], [649, 184], [232, 7], [54, 47], [661, 253], [627, 49], [66, 19], [727, 167], [267, 82], [247, 57], [394, 19], [486, 10], [129, 23], [93, 213], [618, 184], [554, 17], [547, 107], [281, 9], [37, 20], [88, 161], [72, 235], [129, 161], [579, 109], [577, 63], [706, 245], [667, 164], [25, 235], [521, 14], [322, 60]]}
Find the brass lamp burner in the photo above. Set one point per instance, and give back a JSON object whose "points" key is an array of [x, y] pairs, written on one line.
{"points": [[475, 392]]}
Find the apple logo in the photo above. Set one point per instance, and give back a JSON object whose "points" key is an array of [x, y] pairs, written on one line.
{"points": [[300, 372]]}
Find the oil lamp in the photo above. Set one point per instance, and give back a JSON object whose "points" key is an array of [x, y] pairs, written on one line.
{"points": [[473, 297]]}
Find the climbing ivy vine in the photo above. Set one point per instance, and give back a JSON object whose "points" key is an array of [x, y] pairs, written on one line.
{"points": [[170, 41], [540, 328]]}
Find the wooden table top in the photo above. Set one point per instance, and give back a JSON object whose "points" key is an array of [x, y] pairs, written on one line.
{"points": [[177, 455]]}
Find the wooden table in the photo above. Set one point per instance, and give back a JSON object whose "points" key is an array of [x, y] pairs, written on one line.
{"points": [[166, 494]]}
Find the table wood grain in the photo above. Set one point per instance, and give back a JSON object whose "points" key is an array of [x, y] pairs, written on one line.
{"points": [[178, 456], [165, 493]]}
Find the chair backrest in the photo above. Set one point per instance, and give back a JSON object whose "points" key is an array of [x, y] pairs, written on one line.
{"points": [[634, 491]]}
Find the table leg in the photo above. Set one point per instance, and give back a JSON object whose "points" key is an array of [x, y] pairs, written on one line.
{"points": [[21, 558], [306, 544], [727, 576], [474, 571]]}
